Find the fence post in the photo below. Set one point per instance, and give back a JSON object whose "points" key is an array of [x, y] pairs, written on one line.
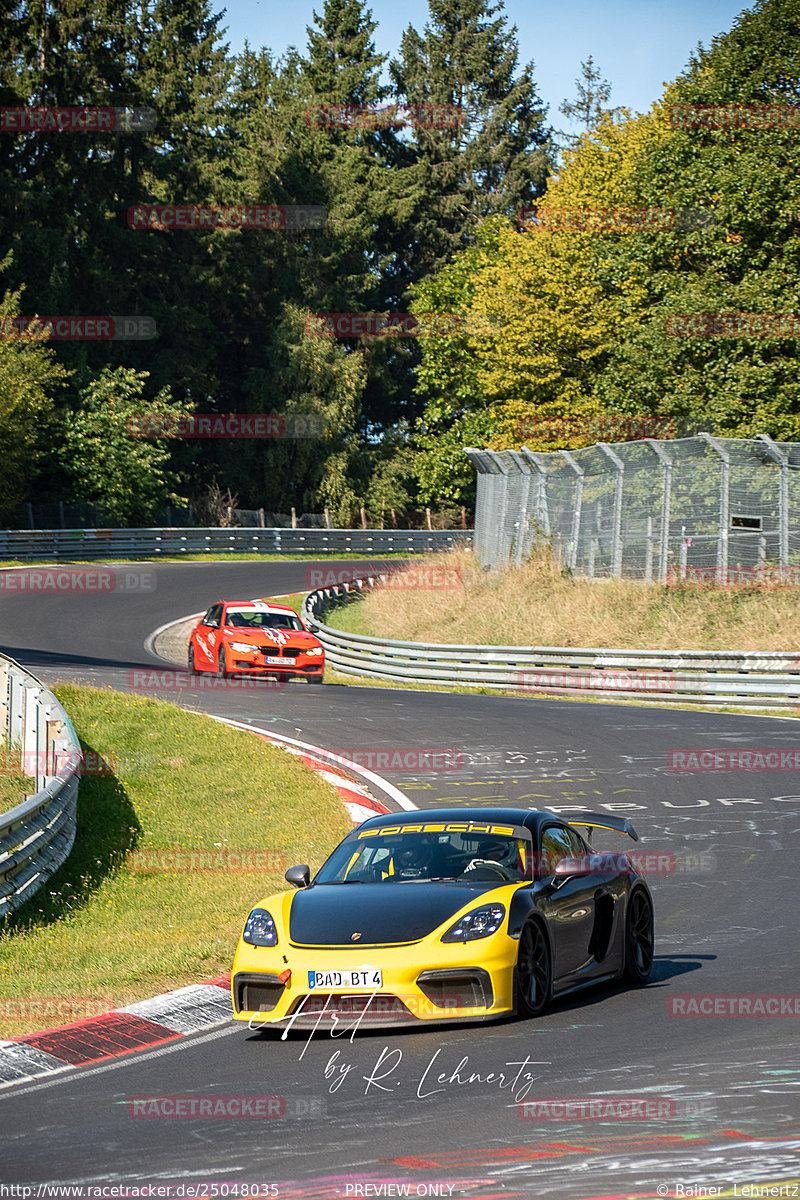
{"points": [[783, 497], [666, 500], [648, 556], [616, 530], [542, 508], [522, 521], [576, 510], [724, 503], [684, 552]]}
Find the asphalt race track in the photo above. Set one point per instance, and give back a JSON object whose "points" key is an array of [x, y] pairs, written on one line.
{"points": [[436, 1112]]}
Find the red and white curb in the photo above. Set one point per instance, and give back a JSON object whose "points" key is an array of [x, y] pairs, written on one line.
{"points": [[122, 1031], [200, 1006]]}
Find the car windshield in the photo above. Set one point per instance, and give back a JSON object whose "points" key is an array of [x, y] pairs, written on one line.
{"points": [[254, 618], [405, 854]]}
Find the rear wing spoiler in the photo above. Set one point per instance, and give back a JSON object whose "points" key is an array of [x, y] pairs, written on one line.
{"points": [[601, 821]]}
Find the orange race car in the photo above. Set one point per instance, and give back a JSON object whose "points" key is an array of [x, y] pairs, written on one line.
{"points": [[255, 637]]}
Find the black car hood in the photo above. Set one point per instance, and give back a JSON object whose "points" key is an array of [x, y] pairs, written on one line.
{"points": [[328, 914]]}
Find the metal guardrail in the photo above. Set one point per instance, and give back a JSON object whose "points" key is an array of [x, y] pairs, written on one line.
{"points": [[37, 835], [765, 680], [152, 543]]}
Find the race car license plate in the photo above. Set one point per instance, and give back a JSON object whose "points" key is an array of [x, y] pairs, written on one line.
{"points": [[274, 659], [366, 977]]}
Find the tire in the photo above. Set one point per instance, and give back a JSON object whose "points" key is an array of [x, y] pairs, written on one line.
{"points": [[222, 670], [193, 668], [638, 937], [314, 678], [533, 974]]}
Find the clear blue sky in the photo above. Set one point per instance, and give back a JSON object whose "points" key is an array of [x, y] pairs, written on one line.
{"points": [[638, 44]]}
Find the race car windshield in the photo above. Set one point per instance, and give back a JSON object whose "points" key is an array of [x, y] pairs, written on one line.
{"points": [[253, 618], [405, 855]]}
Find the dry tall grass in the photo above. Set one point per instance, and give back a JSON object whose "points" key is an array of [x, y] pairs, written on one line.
{"points": [[448, 598]]}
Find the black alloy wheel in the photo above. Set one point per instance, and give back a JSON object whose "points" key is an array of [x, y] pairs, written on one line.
{"points": [[639, 937], [533, 978]]}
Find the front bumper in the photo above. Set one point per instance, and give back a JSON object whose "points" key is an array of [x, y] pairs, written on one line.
{"points": [[302, 665], [422, 982]]}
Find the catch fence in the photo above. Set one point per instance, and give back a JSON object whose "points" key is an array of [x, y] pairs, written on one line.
{"points": [[723, 509]]}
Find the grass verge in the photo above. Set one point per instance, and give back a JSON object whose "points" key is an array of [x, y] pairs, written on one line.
{"points": [[124, 918], [538, 604]]}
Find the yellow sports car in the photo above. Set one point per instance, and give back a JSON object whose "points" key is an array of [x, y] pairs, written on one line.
{"points": [[445, 914]]}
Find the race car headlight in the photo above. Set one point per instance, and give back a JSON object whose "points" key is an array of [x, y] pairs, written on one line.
{"points": [[315, 650], [241, 646], [260, 929], [479, 923]]}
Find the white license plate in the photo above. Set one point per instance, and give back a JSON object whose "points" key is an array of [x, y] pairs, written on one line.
{"points": [[278, 662], [367, 977]]}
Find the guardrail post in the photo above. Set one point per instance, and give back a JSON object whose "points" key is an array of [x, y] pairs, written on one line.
{"points": [[5, 700], [16, 703]]}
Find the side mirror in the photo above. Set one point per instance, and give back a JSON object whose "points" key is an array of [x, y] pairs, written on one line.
{"points": [[299, 876], [567, 868], [311, 627]]}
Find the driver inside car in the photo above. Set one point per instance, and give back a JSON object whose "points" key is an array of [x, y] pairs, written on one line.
{"points": [[494, 856]]}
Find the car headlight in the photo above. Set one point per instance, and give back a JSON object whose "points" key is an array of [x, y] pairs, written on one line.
{"points": [[315, 650], [260, 929], [245, 646], [479, 923]]}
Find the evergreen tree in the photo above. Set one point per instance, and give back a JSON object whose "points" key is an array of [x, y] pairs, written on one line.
{"points": [[590, 103], [495, 159]]}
